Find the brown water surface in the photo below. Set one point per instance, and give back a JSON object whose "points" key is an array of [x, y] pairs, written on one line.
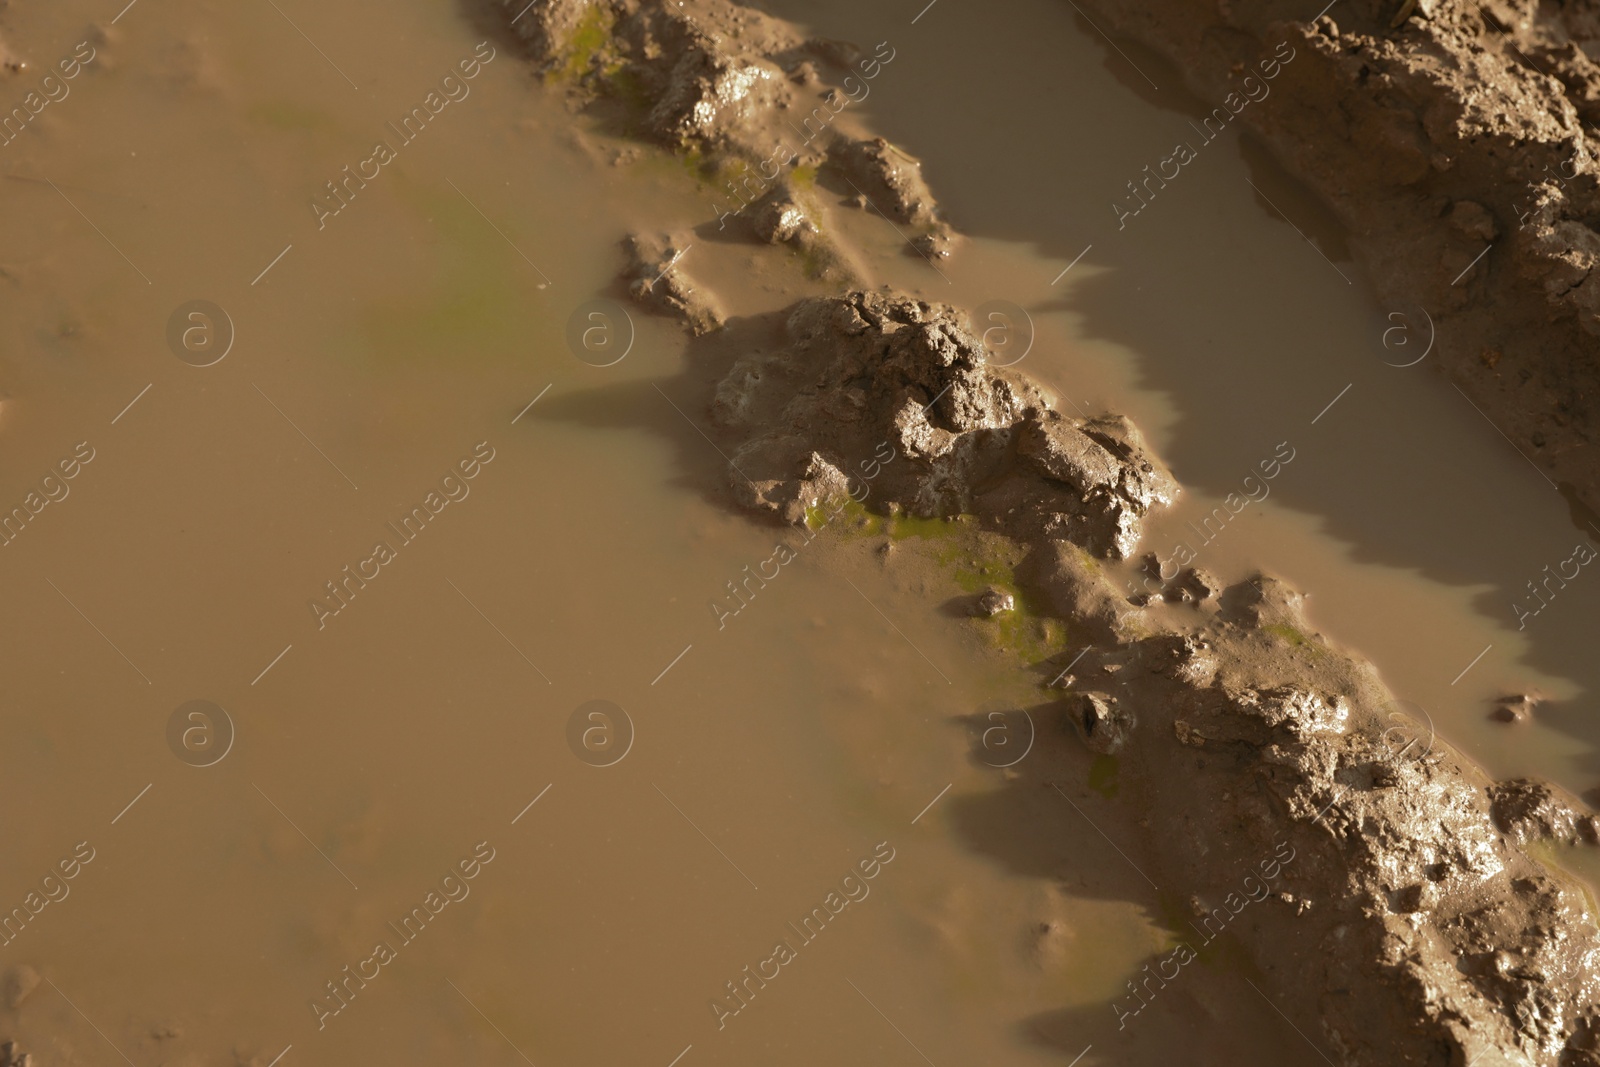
{"points": [[424, 725]]}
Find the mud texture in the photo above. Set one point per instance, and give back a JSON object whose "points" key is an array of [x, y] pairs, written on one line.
{"points": [[878, 377], [1407, 926], [762, 110], [1438, 132], [1404, 920], [655, 278], [1388, 898]]}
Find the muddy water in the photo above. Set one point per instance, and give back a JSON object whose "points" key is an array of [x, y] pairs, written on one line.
{"points": [[1225, 318], [377, 356], [422, 728]]}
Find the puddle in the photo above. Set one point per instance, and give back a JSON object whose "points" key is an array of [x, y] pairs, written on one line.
{"points": [[375, 751], [1225, 328]]}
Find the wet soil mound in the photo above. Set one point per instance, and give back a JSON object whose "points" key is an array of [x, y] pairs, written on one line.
{"points": [[866, 378], [1456, 141], [1383, 888], [1403, 912]]}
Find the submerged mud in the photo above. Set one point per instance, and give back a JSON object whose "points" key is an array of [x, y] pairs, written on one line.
{"points": [[1457, 144], [1387, 894]]}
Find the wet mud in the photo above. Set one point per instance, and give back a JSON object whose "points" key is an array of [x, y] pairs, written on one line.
{"points": [[1380, 887], [1456, 145], [845, 574]]}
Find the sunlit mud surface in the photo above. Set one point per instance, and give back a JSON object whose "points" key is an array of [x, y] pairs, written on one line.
{"points": [[413, 734]]}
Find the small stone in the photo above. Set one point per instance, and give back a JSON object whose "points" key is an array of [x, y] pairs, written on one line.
{"points": [[1191, 586], [886, 180], [1531, 810], [778, 217], [934, 245], [1411, 899], [995, 601], [1101, 721], [1300, 904]]}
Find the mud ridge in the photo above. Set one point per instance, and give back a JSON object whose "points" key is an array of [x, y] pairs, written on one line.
{"points": [[1388, 895], [1409, 918]]}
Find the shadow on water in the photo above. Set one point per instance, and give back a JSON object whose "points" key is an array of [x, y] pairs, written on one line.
{"points": [[1041, 824], [1053, 818], [1233, 287]]}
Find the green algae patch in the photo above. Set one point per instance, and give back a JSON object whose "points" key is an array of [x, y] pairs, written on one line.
{"points": [[989, 561], [1287, 634], [695, 162], [590, 36], [975, 561], [472, 307], [731, 170], [625, 87], [1032, 637], [1292, 637], [1085, 560], [902, 526], [852, 520], [1103, 776], [971, 560], [812, 264], [981, 569], [664, 166], [1130, 629]]}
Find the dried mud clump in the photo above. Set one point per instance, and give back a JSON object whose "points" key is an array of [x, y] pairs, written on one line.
{"points": [[886, 383]]}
